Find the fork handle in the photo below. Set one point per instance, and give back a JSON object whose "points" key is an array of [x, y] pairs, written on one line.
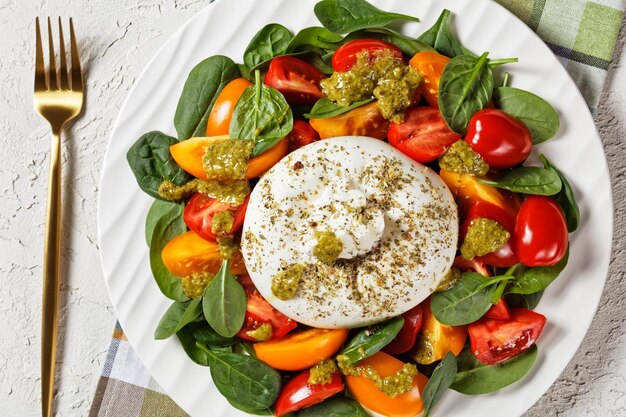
{"points": [[51, 274]]}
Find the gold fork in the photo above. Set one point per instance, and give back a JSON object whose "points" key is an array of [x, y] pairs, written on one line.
{"points": [[58, 99]]}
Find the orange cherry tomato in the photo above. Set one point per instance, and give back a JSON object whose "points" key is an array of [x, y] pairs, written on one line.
{"points": [[365, 391], [188, 155], [442, 338], [188, 254], [430, 65], [222, 111], [362, 121], [302, 350]]}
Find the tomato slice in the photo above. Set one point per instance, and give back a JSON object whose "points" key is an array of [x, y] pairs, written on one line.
{"points": [[499, 311], [362, 121], [424, 134], [405, 339], [430, 65], [301, 135], [222, 111], [495, 341], [298, 393], [296, 79], [199, 212], [345, 56]]}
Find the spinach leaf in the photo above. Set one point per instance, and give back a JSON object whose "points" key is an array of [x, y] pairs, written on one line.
{"points": [[533, 280], [263, 115], [159, 209], [325, 108], [269, 42], [335, 407], [474, 377], [565, 198], [261, 412], [166, 229], [201, 89], [528, 180], [314, 37], [441, 38], [224, 302], [439, 382], [467, 301], [536, 113], [205, 334], [151, 162], [178, 316], [529, 301], [408, 46], [243, 380], [371, 340], [344, 16], [466, 87], [188, 342]]}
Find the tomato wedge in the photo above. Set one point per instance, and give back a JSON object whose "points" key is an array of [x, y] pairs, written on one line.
{"points": [[199, 212], [435, 339], [495, 341], [405, 339], [298, 393], [301, 135], [345, 56], [362, 121], [424, 134], [430, 65], [296, 79], [222, 111]]}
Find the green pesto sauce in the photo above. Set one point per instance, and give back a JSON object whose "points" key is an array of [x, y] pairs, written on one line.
{"points": [[483, 237], [228, 247], [227, 160], [323, 372], [384, 77], [461, 158], [285, 284], [328, 247], [424, 351], [233, 192], [448, 281], [222, 223], [391, 386], [262, 333], [194, 285]]}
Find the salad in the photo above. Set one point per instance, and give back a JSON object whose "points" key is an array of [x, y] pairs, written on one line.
{"points": [[345, 223]]}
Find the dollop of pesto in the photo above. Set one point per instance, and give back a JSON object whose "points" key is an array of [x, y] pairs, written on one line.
{"points": [[448, 281], [222, 223], [233, 192], [382, 76], [391, 386], [262, 333], [323, 372], [461, 158], [227, 160], [285, 284], [328, 247], [424, 352], [228, 247], [483, 237], [194, 285]]}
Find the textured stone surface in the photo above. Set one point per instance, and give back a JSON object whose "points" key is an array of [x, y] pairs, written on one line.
{"points": [[117, 40]]}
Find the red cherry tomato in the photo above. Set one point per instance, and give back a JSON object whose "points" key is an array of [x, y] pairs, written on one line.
{"points": [[541, 237], [405, 339], [502, 140], [302, 134], [345, 56], [259, 312], [298, 393], [424, 134], [199, 212], [296, 79], [495, 341]]}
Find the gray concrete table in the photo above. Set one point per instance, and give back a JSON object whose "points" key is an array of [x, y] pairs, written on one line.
{"points": [[117, 40]]}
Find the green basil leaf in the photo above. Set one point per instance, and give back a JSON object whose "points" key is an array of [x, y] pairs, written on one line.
{"points": [[465, 88], [474, 377], [263, 115], [536, 113], [159, 209], [441, 38], [335, 407], [269, 42], [371, 340], [205, 334], [188, 342], [565, 198], [151, 162], [467, 301], [243, 380], [529, 301], [344, 16], [314, 37], [439, 382], [201, 89], [533, 280], [528, 180], [166, 229], [407, 45], [224, 302], [325, 108], [178, 316]]}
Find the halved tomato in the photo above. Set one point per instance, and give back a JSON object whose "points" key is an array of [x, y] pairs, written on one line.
{"points": [[345, 56], [405, 339], [301, 135], [296, 79], [200, 210], [298, 393], [362, 121], [430, 65]]}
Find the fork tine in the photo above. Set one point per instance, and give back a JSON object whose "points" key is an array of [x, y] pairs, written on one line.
{"points": [[40, 70], [64, 74], [77, 76], [53, 81]]}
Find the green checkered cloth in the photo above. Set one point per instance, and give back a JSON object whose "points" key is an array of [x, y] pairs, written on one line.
{"points": [[581, 33]]}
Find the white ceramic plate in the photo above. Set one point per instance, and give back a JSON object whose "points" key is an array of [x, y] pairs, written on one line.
{"points": [[226, 27]]}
